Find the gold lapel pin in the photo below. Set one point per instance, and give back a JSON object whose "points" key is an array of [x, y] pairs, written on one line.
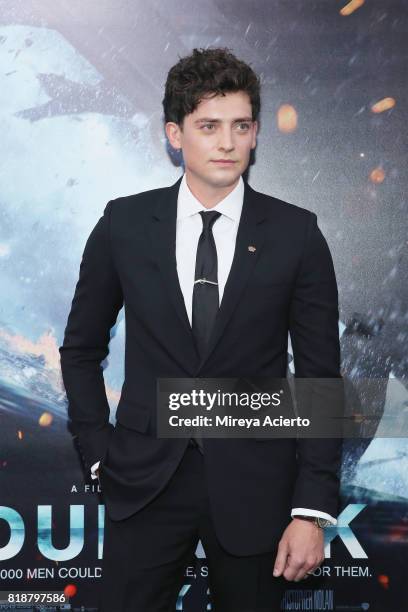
{"points": [[251, 249]]}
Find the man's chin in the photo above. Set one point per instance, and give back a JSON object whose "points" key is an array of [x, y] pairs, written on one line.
{"points": [[223, 180], [218, 178]]}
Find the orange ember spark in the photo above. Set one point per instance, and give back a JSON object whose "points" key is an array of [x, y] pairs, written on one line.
{"points": [[287, 118], [384, 580], [351, 7], [70, 590], [377, 175], [383, 105], [45, 419]]}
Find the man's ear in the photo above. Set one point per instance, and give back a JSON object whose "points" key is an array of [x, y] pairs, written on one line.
{"points": [[173, 134], [255, 128]]}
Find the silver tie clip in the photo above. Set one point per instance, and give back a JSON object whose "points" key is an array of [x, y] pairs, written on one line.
{"points": [[204, 280]]}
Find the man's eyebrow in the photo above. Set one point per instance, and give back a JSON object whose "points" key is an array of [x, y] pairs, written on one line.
{"points": [[214, 120]]}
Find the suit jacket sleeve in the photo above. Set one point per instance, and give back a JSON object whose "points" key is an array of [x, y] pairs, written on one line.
{"points": [[313, 326], [95, 306]]}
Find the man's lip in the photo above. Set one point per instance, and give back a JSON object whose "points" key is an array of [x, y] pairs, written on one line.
{"points": [[224, 161]]}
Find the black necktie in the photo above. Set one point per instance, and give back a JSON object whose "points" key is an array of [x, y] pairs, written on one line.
{"points": [[205, 292]]}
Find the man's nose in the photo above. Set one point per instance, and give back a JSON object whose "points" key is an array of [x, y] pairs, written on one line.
{"points": [[226, 141]]}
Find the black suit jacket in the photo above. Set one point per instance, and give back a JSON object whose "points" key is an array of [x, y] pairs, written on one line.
{"points": [[288, 283]]}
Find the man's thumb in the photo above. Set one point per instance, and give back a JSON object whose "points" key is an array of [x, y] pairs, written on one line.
{"points": [[280, 561]]}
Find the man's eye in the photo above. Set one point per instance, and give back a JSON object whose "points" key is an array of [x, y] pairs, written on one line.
{"points": [[243, 127]]}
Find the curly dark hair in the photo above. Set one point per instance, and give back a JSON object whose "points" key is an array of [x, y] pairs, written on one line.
{"points": [[207, 73]]}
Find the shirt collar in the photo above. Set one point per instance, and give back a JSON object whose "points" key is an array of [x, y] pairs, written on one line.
{"points": [[230, 206]]}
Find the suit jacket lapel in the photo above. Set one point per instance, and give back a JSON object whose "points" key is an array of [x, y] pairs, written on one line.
{"points": [[163, 240], [251, 233]]}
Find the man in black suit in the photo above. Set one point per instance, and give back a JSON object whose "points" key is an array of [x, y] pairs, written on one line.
{"points": [[213, 275]]}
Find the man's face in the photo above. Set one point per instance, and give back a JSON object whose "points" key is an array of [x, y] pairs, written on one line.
{"points": [[220, 128]]}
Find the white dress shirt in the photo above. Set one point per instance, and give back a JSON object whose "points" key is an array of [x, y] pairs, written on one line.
{"points": [[188, 230]]}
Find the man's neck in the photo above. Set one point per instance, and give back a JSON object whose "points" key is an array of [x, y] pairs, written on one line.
{"points": [[208, 195]]}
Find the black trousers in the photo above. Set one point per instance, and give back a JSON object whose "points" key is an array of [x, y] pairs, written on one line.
{"points": [[145, 555]]}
